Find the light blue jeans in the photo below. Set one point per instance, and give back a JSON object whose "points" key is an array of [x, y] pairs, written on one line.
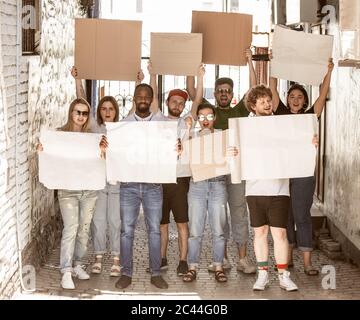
{"points": [[132, 195], [204, 197], [77, 209], [107, 214], [238, 212]]}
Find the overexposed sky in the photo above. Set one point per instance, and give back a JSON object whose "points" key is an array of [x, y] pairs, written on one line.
{"points": [[175, 15]]}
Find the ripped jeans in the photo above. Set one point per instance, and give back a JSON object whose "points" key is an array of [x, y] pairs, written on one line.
{"points": [[207, 198], [77, 209]]}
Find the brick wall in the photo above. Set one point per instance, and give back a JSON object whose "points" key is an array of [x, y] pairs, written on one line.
{"points": [[8, 242], [43, 89]]}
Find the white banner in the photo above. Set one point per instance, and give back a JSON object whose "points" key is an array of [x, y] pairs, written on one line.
{"points": [[142, 151], [71, 161], [273, 147]]}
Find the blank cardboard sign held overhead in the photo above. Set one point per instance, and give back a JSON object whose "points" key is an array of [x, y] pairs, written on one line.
{"points": [[226, 36], [107, 49], [306, 64], [176, 53]]}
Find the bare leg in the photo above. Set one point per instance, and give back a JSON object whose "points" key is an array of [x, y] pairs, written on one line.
{"points": [[261, 246], [164, 231], [307, 258], [281, 245], [183, 232], [290, 255], [242, 251]]}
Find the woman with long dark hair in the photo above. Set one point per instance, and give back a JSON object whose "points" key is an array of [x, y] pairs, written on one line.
{"points": [[301, 189]]}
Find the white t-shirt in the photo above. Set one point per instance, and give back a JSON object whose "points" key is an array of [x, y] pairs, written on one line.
{"points": [[271, 187], [183, 167]]}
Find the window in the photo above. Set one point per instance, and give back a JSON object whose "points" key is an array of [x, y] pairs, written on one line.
{"points": [[30, 23]]}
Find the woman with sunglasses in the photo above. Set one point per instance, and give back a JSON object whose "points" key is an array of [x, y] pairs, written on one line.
{"points": [[107, 212], [301, 189], [76, 206], [207, 197]]}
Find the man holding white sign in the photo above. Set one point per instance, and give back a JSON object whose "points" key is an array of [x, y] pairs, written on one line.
{"points": [[175, 194], [134, 194], [268, 198]]}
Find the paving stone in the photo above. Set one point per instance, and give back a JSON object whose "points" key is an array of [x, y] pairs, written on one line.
{"points": [[333, 246], [239, 285]]}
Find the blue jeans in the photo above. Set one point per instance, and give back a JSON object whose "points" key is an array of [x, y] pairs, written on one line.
{"points": [[207, 196], [238, 212], [107, 214], [77, 209], [131, 196], [301, 197]]}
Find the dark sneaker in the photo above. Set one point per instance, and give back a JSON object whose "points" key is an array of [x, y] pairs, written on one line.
{"points": [[123, 282], [164, 265], [182, 268], [159, 282]]}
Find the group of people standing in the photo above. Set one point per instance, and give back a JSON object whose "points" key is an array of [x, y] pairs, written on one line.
{"points": [[278, 205]]}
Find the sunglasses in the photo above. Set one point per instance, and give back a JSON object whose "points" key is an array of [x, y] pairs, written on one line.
{"points": [[82, 113], [209, 117], [226, 91]]}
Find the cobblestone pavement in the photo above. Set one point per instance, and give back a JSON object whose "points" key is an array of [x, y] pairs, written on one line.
{"points": [[239, 285]]}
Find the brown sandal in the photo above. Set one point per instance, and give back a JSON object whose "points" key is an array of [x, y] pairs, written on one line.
{"points": [[311, 271], [220, 276], [190, 276]]}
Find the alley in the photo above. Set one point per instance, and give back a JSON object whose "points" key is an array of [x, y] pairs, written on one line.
{"points": [[50, 55], [239, 285]]}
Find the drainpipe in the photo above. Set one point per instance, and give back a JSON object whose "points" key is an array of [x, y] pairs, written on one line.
{"points": [[94, 83], [17, 160]]}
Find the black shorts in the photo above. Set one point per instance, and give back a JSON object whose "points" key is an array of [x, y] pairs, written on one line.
{"points": [[175, 200], [268, 210]]}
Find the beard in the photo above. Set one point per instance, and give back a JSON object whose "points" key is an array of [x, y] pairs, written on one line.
{"points": [[143, 107], [174, 112]]}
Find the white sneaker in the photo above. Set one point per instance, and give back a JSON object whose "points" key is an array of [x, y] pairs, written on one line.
{"points": [[246, 265], [262, 281], [80, 273], [226, 265], [286, 283], [66, 281]]}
